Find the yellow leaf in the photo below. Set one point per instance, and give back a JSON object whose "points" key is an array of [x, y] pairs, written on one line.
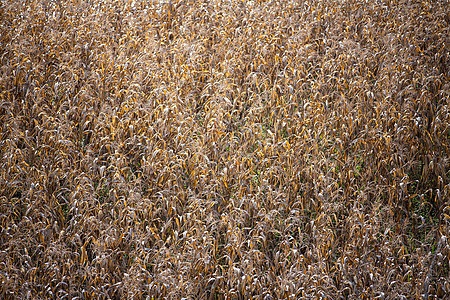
{"points": [[226, 185]]}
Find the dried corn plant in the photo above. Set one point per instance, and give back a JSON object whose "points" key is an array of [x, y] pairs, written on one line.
{"points": [[224, 149]]}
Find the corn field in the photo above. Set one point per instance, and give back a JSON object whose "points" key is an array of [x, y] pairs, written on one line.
{"points": [[224, 149]]}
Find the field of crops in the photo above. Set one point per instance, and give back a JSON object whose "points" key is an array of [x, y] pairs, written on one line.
{"points": [[224, 149]]}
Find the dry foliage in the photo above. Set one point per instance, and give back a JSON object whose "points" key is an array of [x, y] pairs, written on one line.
{"points": [[224, 149]]}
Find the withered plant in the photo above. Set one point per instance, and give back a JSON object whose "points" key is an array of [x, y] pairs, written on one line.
{"points": [[224, 149]]}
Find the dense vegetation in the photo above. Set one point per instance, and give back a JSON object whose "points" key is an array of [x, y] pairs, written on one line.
{"points": [[224, 149]]}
